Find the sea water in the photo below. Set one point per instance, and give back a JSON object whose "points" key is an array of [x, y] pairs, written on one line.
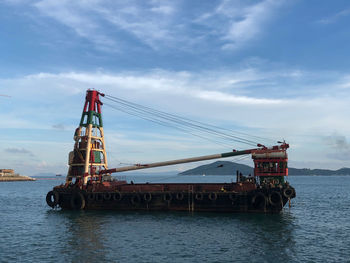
{"points": [[315, 229]]}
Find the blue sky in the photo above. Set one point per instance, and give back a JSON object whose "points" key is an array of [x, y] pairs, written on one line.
{"points": [[276, 69]]}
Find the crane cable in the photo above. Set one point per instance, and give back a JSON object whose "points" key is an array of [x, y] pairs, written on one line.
{"points": [[180, 120], [166, 119], [190, 120], [159, 122], [199, 134], [177, 122]]}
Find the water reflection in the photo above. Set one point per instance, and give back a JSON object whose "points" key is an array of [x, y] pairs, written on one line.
{"points": [[96, 236], [259, 237], [84, 235], [273, 235]]}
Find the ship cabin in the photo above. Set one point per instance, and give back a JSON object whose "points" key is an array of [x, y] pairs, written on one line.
{"points": [[270, 166]]}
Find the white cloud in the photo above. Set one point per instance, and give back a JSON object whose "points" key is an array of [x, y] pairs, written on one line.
{"points": [[149, 22], [199, 86], [18, 151], [239, 21], [228, 98], [80, 17], [112, 25], [335, 17]]}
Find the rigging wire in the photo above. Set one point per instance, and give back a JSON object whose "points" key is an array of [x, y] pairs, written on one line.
{"points": [[159, 122], [242, 133], [167, 124], [184, 118], [240, 158], [191, 124], [177, 119]]}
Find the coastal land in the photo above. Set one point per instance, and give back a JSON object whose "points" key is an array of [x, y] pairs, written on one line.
{"points": [[9, 175], [229, 168], [16, 178]]}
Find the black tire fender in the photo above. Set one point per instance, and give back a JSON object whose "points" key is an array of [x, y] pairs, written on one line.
{"points": [[52, 198], [179, 196], [99, 197], [117, 196], [167, 197], [259, 200], [199, 196], [135, 199], [77, 201], [213, 196], [107, 196], [288, 192], [91, 197], [147, 197], [232, 197], [275, 198]]}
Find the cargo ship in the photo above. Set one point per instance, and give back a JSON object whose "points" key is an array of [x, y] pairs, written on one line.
{"points": [[89, 183]]}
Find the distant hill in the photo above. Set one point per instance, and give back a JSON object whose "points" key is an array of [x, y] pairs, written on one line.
{"points": [[230, 168], [305, 171], [219, 168]]}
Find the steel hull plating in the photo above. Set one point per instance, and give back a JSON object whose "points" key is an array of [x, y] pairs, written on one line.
{"points": [[174, 197]]}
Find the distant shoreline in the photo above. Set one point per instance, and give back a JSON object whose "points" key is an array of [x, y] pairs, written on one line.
{"points": [[16, 178], [290, 175], [227, 167]]}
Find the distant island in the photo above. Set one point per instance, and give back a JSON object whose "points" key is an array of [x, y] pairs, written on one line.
{"points": [[9, 175], [230, 168]]}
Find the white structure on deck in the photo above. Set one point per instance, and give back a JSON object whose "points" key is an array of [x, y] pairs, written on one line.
{"points": [[7, 172]]}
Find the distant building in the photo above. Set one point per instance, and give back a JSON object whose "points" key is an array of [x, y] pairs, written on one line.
{"points": [[7, 172]]}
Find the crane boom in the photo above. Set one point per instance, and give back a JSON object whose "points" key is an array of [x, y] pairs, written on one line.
{"points": [[172, 162]]}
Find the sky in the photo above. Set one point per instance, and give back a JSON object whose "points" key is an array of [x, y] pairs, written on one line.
{"points": [[275, 69]]}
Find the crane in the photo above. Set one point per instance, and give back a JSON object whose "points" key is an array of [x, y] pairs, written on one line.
{"points": [[89, 184]]}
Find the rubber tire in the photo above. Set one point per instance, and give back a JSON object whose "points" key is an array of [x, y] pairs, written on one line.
{"points": [[99, 197], [272, 199], [199, 196], [212, 196], [259, 204], [77, 201], [167, 197], [147, 197], [232, 197], [117, 196], [179, 196], [135, 199], [107, 196], [91, 197], [56, 198], [290, 194]]}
